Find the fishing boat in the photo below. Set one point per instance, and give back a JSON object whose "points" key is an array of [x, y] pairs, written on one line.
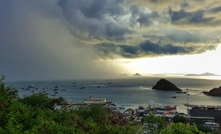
{"points": [[161, 107], [113, 106], [91, 100], [141, 109], [166, 107]]}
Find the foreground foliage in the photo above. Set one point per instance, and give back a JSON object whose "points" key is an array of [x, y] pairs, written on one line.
{"points": [[35, 114], [153, 123], [180, 128]]}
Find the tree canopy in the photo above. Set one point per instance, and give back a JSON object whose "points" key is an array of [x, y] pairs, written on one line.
{"points": [[35, 114]]}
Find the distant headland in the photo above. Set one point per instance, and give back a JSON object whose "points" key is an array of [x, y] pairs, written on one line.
{"points": [[203, 74]]}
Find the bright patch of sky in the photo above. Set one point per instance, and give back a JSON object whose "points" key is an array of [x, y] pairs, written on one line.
{"points": [[183, 64]]}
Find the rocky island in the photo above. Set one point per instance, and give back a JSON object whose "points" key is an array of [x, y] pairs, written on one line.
{"points": [[214, 92], [165, 85], [137, 74]]}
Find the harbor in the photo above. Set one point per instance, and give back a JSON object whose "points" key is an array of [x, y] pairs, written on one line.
{"points": [[129, 92], [204, 113]]}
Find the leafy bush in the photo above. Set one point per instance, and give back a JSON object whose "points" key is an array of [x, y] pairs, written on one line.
{"points": [[179, 118]]}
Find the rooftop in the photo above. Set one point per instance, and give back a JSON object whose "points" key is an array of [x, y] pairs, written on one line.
{"points": [[202, 106], [200, 117]]}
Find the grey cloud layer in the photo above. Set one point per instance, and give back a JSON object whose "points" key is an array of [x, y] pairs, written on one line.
{"points": [[95, 17], [118, 20], [197, 17], [35, 44], [146, 49], [38, 37], [143, 49], [172, 29], [215, 10]]}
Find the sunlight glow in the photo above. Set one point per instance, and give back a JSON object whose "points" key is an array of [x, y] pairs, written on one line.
{"points": [[197, 63]]}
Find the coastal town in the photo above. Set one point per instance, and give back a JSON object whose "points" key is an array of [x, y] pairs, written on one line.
{"points": [[207, 114]]}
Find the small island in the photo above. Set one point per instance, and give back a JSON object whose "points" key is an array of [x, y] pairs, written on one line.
{"points": [[123, 75], [214, 92], [137, 74], [165, 85]]}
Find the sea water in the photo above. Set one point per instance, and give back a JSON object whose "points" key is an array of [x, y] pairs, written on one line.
{"points": [[130, 92]]}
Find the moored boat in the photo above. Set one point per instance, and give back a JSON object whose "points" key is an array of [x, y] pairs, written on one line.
{"points": [[166, 107], [91, 100], [113, 106]]}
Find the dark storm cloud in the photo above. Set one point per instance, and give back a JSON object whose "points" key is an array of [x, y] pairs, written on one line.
{"points": [[134, 11], [150, 47], [113, 30], [142, 50], [184, 5], [156, 1], [92, 16], [206, 48], [215, 10], [101, 20], [195, 12], [36, 44], [44, 39], [147, 18], [186, 36], [192, 17], [89, 9]]}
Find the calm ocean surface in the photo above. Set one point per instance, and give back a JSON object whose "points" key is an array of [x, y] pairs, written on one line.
{"points": [[130, 92]]}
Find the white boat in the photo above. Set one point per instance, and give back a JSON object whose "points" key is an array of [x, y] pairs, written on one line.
{"points": [[122, 107], [141, 109], [91, 100], [162, 107], [113, 106], [153, 106]]}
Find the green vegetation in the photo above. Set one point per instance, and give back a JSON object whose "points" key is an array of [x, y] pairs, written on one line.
{"points": [[179, 118], [180, 128], [199, 123], [41, 101], [35, 114], [153, 123]]}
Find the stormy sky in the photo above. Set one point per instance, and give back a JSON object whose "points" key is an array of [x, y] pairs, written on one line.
{"points": [[71, 39]]}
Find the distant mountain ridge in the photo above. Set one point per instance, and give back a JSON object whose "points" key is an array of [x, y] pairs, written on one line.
{"points": [[203, 74]]}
